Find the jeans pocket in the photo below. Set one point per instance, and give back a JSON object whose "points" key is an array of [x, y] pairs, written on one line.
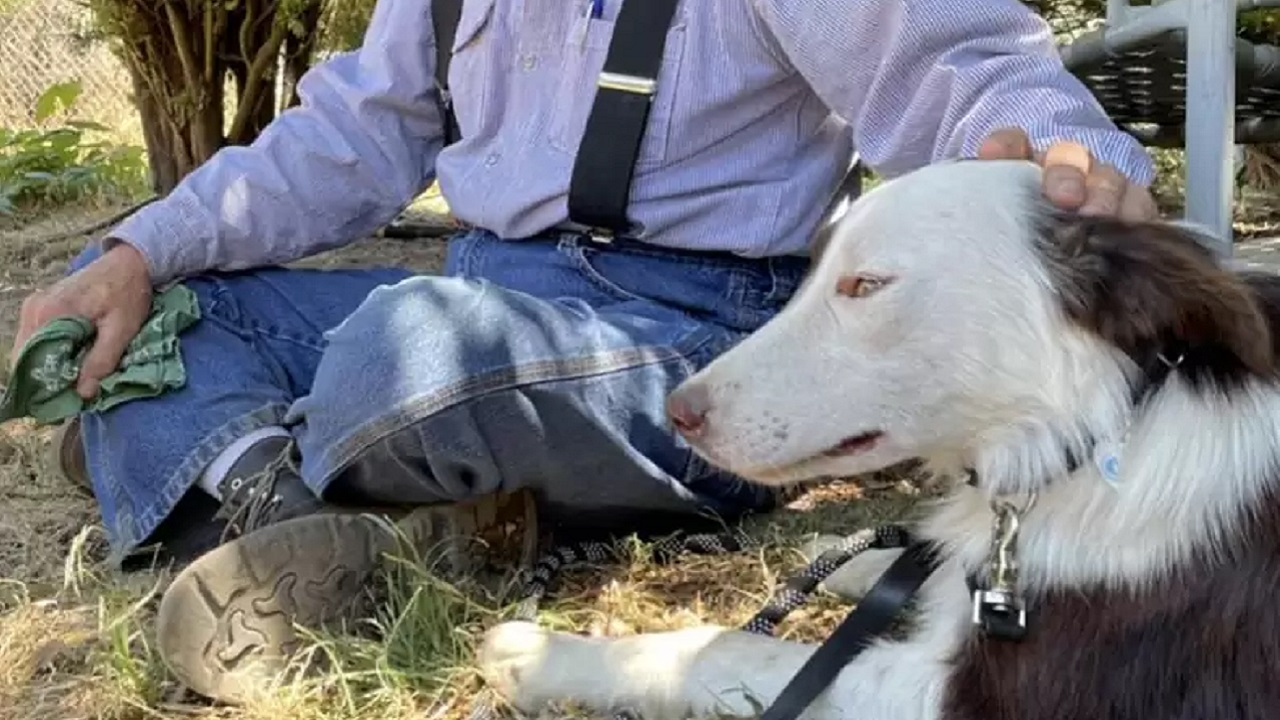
{"points": [[583, 260]]}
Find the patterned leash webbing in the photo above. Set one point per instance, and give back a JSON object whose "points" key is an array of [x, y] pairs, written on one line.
{"points": [[793, 594], [594, 552]]}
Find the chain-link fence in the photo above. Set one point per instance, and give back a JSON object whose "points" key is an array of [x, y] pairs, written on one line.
{"points": [[43, 42]]}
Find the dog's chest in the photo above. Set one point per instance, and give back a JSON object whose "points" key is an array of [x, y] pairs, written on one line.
{"points": [[1204, 644]]}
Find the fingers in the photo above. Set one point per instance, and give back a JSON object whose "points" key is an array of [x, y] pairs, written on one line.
{"points": [[1006, 144], [104, 355], [1106, 191], [1067, 167], [1073, 179], [113, 292], [36, 310]]}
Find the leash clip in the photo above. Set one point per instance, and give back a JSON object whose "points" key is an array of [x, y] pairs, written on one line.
{"points": [[999, 609]]}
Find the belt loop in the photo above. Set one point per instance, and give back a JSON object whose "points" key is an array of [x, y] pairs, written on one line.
{"points": [[774, 280], [566, 241]]}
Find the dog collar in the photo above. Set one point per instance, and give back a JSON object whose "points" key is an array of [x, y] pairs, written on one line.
{"points": [[999, 607]]}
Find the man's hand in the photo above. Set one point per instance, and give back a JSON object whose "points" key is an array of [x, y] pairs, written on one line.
{"points": [[1073, 178], [114, 292]]}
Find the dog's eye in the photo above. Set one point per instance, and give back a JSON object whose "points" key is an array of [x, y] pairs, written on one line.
{"points": [[859, 286]]}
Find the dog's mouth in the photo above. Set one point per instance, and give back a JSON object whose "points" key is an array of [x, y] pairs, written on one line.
{"points": [[854, 444], [801, 470]]}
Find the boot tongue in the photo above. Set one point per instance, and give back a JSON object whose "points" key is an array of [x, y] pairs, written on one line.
{"points": [[264, 486]]}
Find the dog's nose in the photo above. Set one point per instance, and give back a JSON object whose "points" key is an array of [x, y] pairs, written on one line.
{"points": [[687, 407]]}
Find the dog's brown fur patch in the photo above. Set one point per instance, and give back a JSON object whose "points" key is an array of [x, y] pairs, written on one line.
{"points": [[1203, 640], [1152, 288], [1202, 643]]}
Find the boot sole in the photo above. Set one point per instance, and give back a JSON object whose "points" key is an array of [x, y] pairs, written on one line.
{"points": [[227, 625]]}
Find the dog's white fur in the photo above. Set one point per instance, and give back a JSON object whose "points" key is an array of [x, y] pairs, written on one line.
{"points": [[966, 360]]}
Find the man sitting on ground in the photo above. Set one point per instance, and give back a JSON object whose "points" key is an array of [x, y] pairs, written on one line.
{"points": [[542, 358]]}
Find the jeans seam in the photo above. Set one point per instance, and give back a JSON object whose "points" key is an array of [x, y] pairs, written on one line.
{"points": [[578, 256], [253, 333], [269, 332], [467, 246], [477, 386], [246, 327]]}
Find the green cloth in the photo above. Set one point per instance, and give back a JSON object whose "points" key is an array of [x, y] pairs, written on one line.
{"points": [[43, 382]]}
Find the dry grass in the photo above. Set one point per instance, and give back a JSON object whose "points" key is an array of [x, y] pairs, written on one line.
{"points": [[75, 639]]}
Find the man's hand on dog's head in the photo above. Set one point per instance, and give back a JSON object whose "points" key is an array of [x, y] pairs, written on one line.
{"points": [[1073, 178]]}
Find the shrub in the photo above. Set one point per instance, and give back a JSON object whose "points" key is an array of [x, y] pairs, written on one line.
{"points": [[42, 166]]}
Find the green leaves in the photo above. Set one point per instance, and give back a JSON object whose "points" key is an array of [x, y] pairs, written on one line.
{"points": [[56, 98], [65, 163]]}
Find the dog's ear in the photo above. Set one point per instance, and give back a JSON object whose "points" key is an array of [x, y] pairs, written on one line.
{"points": [[1153, 287]]}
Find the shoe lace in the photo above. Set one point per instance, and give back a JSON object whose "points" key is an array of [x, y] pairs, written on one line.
{"points": [[249, 501]]}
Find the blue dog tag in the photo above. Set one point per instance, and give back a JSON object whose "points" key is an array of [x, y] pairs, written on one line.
{"points": [[1106, 457]]}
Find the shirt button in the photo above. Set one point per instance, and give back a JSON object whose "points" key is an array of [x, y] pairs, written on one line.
{"points": [[529, 62], [491, 160]]}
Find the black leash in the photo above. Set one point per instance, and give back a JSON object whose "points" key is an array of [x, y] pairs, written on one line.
{"points": [[871, 617]]}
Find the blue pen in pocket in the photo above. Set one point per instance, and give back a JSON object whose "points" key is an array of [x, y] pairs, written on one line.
{"points": [[592, 10]]}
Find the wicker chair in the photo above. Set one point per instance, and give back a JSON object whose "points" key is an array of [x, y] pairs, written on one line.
{"points": [[1164, 72]]}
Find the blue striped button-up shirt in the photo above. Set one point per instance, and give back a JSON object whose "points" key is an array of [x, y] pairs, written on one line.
{"points": [[760, 105]]}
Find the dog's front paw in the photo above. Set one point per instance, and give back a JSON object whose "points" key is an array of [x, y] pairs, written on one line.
{"points": [[509, 657]]}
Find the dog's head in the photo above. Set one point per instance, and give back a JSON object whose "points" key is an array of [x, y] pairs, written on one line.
{"points": [[955, 316]]}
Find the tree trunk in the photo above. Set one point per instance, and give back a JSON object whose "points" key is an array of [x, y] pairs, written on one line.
{"points": [[181, 127], [300, 52], [252, 52], [179, 54]]}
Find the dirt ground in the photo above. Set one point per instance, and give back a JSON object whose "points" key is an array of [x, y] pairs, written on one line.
{"points": [[75, 637]]}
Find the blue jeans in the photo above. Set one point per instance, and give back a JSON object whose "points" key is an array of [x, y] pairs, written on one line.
{"points": [[539, 364]]}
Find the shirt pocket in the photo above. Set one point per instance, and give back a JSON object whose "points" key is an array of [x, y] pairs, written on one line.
{"points": [[469, 67], [584, 56]]}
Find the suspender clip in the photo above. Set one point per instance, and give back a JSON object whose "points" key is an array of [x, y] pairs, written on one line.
{"points": [[627, 83]]}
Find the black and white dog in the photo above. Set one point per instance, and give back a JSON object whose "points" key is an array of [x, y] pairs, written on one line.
{"points": [[1111, 380]]}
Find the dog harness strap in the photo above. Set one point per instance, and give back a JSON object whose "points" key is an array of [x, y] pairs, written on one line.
{"points": [[444, 20], [869, 619], [600, 186]]}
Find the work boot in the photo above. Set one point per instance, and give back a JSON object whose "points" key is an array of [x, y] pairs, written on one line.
{"points": [[260, 488], [226, 626], [66, 455], [264, 486]]}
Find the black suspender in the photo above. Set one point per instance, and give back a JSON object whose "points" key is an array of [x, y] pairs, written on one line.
{"points": [[600, 186], [444, 21], [602, 171]]}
